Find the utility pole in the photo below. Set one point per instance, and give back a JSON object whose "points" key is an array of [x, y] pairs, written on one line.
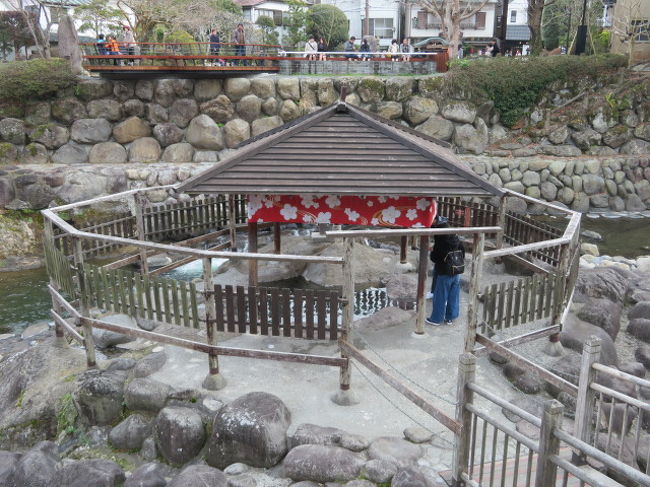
{"points": [[366, 20], [581, 38], [504, 27]]}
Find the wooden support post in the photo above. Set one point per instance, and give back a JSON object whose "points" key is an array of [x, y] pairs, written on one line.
{"points": [[549, 444], [345, 397], [252, 247], [49, 241], [474, 288], [277, 238], [554, 347], [501, 221], [139, 202], [214, 380], [232, 222], [421, 304], [586, 399], [402, 249], [464, 396], [89, 343]]}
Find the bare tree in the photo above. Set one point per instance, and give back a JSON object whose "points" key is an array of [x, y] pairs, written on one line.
{"points": [[37, 16], [452, 13], [629, 26], [535, 14]]}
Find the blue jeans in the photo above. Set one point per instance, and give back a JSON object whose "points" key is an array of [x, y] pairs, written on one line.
{"points": [[446, 298]]}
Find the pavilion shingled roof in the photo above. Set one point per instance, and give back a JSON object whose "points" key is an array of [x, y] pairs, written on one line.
{"points": [[342, 149]]}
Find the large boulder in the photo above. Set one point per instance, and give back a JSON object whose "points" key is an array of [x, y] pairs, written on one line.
{"points": [[144, 89], [640, 328], [100, 396], [379, 471], [602, 313], [199, 475], [182, 152], [640, 310], [251, 429], [249, 108], [108, 109], [8, 462], [263, 87], [67, 110], [93, 88], [237, 88], [320, 463], [469, 139], [459, 111], [107, 153], [71, 153], [144, 394], [37, 467], [311, 434], [220, 109], [418, 109], [409, 477], [602, 282], [390, 109], [51, 136], [289, 88], [203, 133], [148, 475], [96, 472], [398, 89], [396, 450], [235, 132], [106, 338], [576, 332], [167, 134], [130, 433], [265, 124], [437, 127], [289, 110], [132, 128], [207, 89], [12, 130], [182, 111], [179, 434], [90, 130], [144, 149]]}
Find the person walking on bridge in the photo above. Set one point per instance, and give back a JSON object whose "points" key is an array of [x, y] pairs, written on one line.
{"points": [[239, 39]]}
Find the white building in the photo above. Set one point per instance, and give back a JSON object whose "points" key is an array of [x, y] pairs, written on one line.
{"points": [[517, 33], [478, 29], [276, 9], [384, 18]]}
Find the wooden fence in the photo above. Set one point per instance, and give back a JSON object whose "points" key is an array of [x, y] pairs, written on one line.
{"points": [[520, 301], [522, 229], [139, 296], [59, 268], [311, 314], [462, 213]]}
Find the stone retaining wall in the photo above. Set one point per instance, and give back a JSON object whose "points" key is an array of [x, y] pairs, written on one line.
{"points": [[384, 68], [105, 124]]}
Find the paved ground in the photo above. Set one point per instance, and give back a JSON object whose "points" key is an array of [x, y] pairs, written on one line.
{"points": [[431, 362]]}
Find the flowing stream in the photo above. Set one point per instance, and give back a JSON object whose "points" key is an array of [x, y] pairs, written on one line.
{"points": [[24, 299]]}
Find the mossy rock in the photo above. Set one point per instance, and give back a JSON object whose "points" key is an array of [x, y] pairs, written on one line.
{"points": [[12, 109], [371, 90], [431, 87], [8, 153]]}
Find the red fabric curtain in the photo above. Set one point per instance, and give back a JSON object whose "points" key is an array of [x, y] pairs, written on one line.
{"points": [[386, 211]]}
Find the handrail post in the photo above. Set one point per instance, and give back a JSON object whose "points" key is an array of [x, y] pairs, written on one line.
{"points": [[549, 444], [403, 240], [586, 398], [345, 396], [464, 396], [421, 304], [553, 346], [214, 380], [89, 342], [48, 241], [138, 209], [501, 221], [474, 284], [252, 247], [232, 222]]}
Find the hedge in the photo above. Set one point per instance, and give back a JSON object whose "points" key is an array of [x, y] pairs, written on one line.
{"points": [[34, 79], [516, 84]]}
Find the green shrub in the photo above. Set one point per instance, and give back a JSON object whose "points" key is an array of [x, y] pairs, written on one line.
{"points": [[37, 78], [515, 84]]}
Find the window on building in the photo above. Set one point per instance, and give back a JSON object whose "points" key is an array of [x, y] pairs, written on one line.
{"points": [[513, 16], [276, 15], [382, 28], [479, 20], [422, 19], [641, 30]]}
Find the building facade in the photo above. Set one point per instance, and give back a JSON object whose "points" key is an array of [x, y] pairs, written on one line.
{"points": [[275, 9], [630, 29], [383, 18], [477, 30]]}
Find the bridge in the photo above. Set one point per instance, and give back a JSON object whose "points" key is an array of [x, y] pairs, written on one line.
{"points": [[198, 59]]}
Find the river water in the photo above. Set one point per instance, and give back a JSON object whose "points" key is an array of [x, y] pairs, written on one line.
{"points": [[24, 299]]}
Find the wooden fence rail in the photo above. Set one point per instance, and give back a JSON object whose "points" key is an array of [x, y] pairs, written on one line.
{"points": [[521, 229], [59, 268], [312, 314], [140, 296], [523, 300]]}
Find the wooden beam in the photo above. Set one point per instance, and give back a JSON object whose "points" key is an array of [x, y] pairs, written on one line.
{"points": [[65, 325], [186, 260], [526, 364], [397, 384], [403, 240], [423, 266], [139, 202], [252, 247], [518, 249], [99, 199], [277, 238], [348, 308], [474, 284], [410, 232], [218, 350], [527, 337]]}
